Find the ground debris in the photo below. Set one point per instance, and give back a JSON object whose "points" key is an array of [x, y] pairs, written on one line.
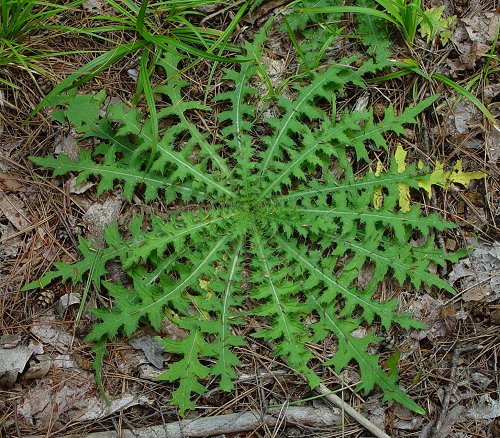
{"points": [[68, 396], [13, 209], [485, 408], [479, 273], [99, 215], [12, 362], [231, 423], [473, 37]]}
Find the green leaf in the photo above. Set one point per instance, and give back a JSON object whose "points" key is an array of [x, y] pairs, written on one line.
{"points": [[254, 235], [188, 370]]}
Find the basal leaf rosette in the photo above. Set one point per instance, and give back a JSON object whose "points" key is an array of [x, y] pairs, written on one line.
{"points": [[262, 230]]}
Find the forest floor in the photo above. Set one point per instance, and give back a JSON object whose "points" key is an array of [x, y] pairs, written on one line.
{"points": [[451, 369]]}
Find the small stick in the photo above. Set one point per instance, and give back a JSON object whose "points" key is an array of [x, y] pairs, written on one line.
{"points": [[349, 410], [450, 387], [16, 419]]}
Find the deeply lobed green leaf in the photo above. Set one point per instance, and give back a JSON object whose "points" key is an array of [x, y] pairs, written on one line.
{"points": [[268, 235]]}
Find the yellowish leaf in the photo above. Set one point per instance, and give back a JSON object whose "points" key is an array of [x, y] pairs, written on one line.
{"points": [[378, 196], [400, 156], [404, 190], [444, 178], [404, 197], [438, 177], [457, 175]]}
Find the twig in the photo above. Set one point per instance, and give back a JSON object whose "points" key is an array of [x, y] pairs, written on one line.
{"points": [[222, 424], [349, 410], [449, 388], [16, 419]]}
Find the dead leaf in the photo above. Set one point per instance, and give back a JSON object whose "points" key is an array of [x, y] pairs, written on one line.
{"points": [[171, 330], [485, 408], [13, 209], [12, 362], [492, 143], [10, 183], [480, 269], [473, 37], [100, 215], [66, 301], [428, 310], [466, 117], [490, 92], [405, 420], [78, 189], [50, 333], [477, 293], [10, 241], [69, 396], [482, 27], [375, 411], [449, 420], [39, 366], [148, 372], [99, 408], [67, 145], [152, 349], [9, 341]]}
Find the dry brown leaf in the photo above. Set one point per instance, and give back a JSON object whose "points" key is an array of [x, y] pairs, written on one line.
{"points": [[67, 145], [492, 143], [428, 310], [10, 241], [473, 37], [482, 27], [485, 408], [47, 331], [100, 215], [477, 293], [479, 273], [78, 189], [151, 348], [12, 362], [13, 209], [465, 117], [10, 183]]}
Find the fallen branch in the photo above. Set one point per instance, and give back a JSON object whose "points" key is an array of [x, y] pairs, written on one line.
{"points": [[231, 423]]}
